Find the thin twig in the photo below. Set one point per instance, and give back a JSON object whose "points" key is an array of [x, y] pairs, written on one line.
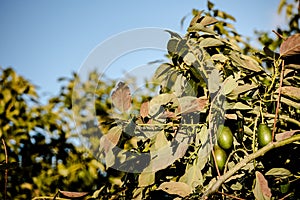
{"points": [[231, 196], [286, 196], [279, 35], [6, 170], [272, 145], [278, 100]]}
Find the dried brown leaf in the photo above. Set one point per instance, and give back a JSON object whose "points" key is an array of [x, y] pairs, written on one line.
{"points": [[292, 92], [261, 189], [144, 110], [285, 135], [74, 195], [291, 46], [121, 97]]}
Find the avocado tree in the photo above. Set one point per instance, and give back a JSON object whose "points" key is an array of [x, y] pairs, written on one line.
{"points": [[228, 112]]}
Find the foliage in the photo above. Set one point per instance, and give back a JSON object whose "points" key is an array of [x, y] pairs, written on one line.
{"points": [[213, 73], [214, 78]]}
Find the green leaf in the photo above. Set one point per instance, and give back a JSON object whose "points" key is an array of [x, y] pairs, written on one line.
{"points": [[240, 89], [228, 85], [157, 102], [211, 42], [160, 141], [245, 62], [189, 58], [161, 71], [261, 189], [219, 57], [241, 106], [279, 172], [172, 45], [192, 177]]}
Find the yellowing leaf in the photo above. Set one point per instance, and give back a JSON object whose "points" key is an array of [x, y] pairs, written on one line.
{"points": [[261, 190], [73, 195], [290, 46], [176, 188], [144, 110], [121, 97]]}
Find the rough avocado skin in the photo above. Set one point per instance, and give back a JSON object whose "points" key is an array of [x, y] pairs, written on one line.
{"points": [[225, 137], [221, 157], [264, 135]]}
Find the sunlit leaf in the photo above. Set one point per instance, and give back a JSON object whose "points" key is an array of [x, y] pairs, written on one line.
{"points": [[219, 57], [241, 106], [245, 62], [189, 58], [176, 188], [208, 20], [200, 27], [146, 179], [210, 42], [228, 85]]}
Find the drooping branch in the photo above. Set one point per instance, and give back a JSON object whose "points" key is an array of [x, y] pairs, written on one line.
{"points": [[212, 189]]}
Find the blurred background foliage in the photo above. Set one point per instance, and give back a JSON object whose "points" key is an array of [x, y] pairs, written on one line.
{"points": [[44, 154]]}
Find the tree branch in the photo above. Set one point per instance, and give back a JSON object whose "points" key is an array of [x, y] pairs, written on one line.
{"points": [[212, 189]]}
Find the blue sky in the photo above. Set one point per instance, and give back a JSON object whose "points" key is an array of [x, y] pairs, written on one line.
{"points": [[47, 39]]}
